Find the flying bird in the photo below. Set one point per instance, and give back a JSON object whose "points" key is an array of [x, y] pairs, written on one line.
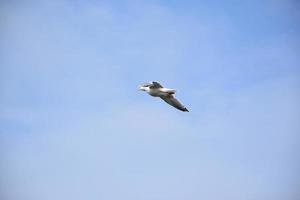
{"points": [[155, 89]]}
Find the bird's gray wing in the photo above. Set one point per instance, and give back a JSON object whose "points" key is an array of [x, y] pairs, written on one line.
{"points": [[174, 102], [156, 84]]}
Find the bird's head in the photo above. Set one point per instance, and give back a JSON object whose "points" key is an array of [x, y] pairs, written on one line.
{"points": [[144, 87]]}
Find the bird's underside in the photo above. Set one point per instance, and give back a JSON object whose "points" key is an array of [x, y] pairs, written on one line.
{"points": [[157, 90]]}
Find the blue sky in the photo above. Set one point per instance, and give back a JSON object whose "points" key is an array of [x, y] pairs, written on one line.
{"points": [[74, 125]]}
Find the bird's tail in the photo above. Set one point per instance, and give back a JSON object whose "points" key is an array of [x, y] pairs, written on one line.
{"points": [[169, 91]]}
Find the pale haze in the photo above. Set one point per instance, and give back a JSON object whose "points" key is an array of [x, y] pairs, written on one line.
{"points": [[73, 124]]}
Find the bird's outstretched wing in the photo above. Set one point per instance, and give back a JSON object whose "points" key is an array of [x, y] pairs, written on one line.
{"points": [[174, 102], [156, 84]]}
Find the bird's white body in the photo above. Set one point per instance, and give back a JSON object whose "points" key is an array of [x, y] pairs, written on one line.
{"points": [[160, 92]]}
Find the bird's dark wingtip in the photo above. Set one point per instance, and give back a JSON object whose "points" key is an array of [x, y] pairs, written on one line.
{"points": [[186, 110]]}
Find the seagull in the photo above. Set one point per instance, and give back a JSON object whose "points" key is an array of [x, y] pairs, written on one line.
{"points": [[155, 89]]}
